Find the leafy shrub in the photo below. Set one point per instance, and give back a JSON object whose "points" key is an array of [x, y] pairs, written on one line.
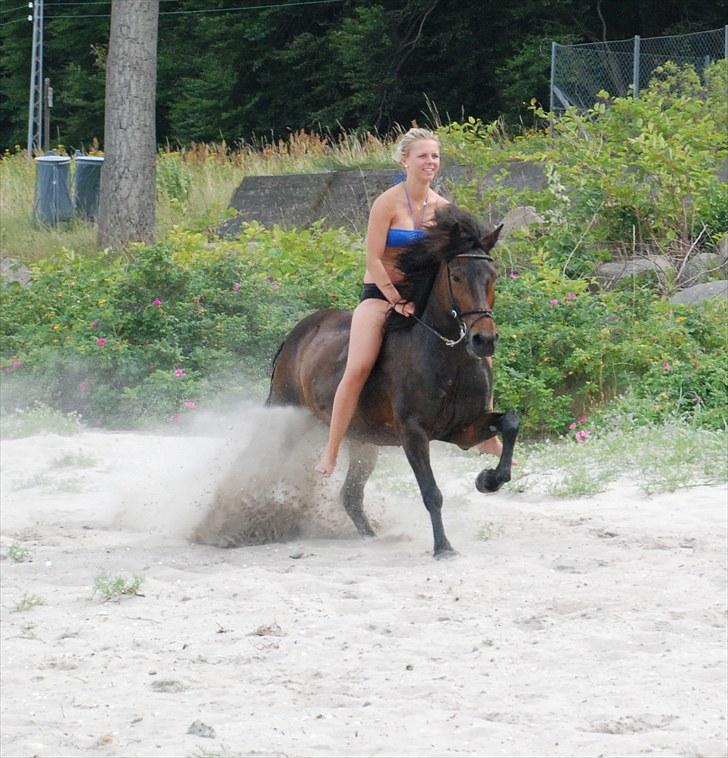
{"points": [[626, 173], [133, 342], [563, 349]]}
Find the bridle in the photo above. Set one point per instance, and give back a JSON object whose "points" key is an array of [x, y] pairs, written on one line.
{"points": [[454, 312]]}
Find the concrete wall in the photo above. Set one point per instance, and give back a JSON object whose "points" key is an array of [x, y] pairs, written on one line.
{"points": [[343, 198]]}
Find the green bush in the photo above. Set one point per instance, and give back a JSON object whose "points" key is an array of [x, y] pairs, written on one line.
{"points": [[627, 173], [126, 343], [564, 350]]}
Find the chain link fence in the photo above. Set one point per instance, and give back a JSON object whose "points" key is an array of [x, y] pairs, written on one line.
{"points": [[623, 67]]}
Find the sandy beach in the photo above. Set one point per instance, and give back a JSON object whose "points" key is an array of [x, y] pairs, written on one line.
{"points": [[583, 627]]}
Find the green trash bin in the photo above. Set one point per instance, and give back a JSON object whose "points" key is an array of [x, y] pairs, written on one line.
{"points": [[52, 201], [87, 185]]}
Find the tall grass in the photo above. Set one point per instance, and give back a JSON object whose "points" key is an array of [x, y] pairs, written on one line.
{"points": [[195, 184]]}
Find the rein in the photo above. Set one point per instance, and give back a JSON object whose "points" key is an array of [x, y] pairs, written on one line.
{"points": [[463, 328]]}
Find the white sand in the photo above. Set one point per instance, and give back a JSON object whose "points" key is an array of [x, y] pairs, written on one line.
{"points": [[590, 627]]}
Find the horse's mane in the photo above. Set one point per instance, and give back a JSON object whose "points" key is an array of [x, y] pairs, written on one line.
{"points": [[453, 232]]}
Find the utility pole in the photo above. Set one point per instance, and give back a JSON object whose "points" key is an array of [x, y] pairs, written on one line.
{"points": [[35, 105]]}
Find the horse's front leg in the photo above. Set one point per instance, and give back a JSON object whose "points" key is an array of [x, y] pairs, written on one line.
{"points": [[417, 449], [490, 480]]}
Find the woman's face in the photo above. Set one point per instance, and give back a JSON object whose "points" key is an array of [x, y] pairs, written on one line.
{"points": [[423, 159]]}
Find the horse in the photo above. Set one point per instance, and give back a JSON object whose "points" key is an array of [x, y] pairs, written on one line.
{"points": [[431, 380]]}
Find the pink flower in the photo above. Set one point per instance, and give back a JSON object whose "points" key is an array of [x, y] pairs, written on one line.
{"points": [[173, 419], [582, 420], [553, 301], [666, 366], [513, 275], [94, 324], [572, 425], [156, 302], [17, 363], [236, 287], [582, 435], [190, 405], [101, 341], [84, 387], [180, 372], [570, 296]]}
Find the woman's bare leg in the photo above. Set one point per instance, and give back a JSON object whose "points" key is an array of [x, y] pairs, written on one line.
{"points": [[365, 340], [493, 445]]}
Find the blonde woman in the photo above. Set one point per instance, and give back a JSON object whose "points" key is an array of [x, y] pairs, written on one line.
{"points": [[398, 216]]}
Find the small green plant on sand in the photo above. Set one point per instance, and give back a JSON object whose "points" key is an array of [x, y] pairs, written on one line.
{"points": [[115, 587], [18, 553], [78, 459], [28, 602]]}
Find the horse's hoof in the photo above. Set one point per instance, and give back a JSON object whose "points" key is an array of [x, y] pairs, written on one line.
{"points": [[488, 481], [445, 554]]}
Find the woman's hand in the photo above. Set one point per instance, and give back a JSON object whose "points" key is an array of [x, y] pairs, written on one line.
{"points": [[404, 308]]}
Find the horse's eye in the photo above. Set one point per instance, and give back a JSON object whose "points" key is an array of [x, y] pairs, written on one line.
{"points": [[455, 278]]}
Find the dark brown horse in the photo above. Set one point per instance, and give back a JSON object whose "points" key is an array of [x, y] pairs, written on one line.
{"points": [[431, 381]]}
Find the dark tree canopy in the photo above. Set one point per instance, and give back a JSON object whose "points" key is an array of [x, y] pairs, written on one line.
{"points": [[352, 64]]}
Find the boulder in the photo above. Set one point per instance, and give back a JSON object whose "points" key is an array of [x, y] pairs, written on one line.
{"points": [[12, 270], [699, 268], [610, 274], [701, 292], [518, 218]]}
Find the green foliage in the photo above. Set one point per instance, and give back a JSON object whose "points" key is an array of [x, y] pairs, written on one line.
{"points": [[656, 457], [18, 553], [33, 418], [150, 339], [109, 587], [625, 173], [28, 602], [563, 349]]}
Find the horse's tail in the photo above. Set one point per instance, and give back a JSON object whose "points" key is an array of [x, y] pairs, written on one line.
{"points": [[273, 371]]}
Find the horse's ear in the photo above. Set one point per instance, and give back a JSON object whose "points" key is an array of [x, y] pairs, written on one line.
{"points": [[491, 238]]}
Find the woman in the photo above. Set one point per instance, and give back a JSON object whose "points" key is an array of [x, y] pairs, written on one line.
{"points": [[397, 217]]}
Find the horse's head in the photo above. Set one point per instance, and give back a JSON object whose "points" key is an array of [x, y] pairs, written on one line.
{"points": [[471, 279], [452, 281]]}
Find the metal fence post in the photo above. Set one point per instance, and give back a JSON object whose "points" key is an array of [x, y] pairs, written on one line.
{"points": [[636, 67], [551, 91]]}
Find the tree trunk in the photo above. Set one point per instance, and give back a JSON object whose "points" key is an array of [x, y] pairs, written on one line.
{"points": [[128, 179]]}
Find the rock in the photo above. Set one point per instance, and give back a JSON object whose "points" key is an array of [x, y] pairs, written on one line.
{"points": [[611, 273], [723, 249], [519, 217], [699, 268], [200, 729], [701, 292], [14, 271]]}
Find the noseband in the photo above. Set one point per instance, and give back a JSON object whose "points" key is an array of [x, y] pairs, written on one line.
{"points": [[454, 312]]}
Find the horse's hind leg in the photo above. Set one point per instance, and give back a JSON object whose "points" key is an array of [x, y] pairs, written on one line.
{"points": [[362, 459]]}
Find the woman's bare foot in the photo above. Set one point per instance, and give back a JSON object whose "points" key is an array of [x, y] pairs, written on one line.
{"points": [[491, 446], [326, 465]]}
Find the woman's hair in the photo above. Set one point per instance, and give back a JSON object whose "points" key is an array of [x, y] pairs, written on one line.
{"points": [[402, 148]]}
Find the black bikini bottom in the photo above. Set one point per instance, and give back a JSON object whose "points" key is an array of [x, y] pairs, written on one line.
{"points": [[370, 290]]}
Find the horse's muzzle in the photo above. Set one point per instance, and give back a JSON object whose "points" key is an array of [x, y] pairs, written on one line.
{"points": [[482, 345]]}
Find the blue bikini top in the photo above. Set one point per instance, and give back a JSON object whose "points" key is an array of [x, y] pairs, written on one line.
{"points": [[402, 237]]}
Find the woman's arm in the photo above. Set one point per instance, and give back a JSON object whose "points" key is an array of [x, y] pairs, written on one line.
{"points": [[380, 218]]}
